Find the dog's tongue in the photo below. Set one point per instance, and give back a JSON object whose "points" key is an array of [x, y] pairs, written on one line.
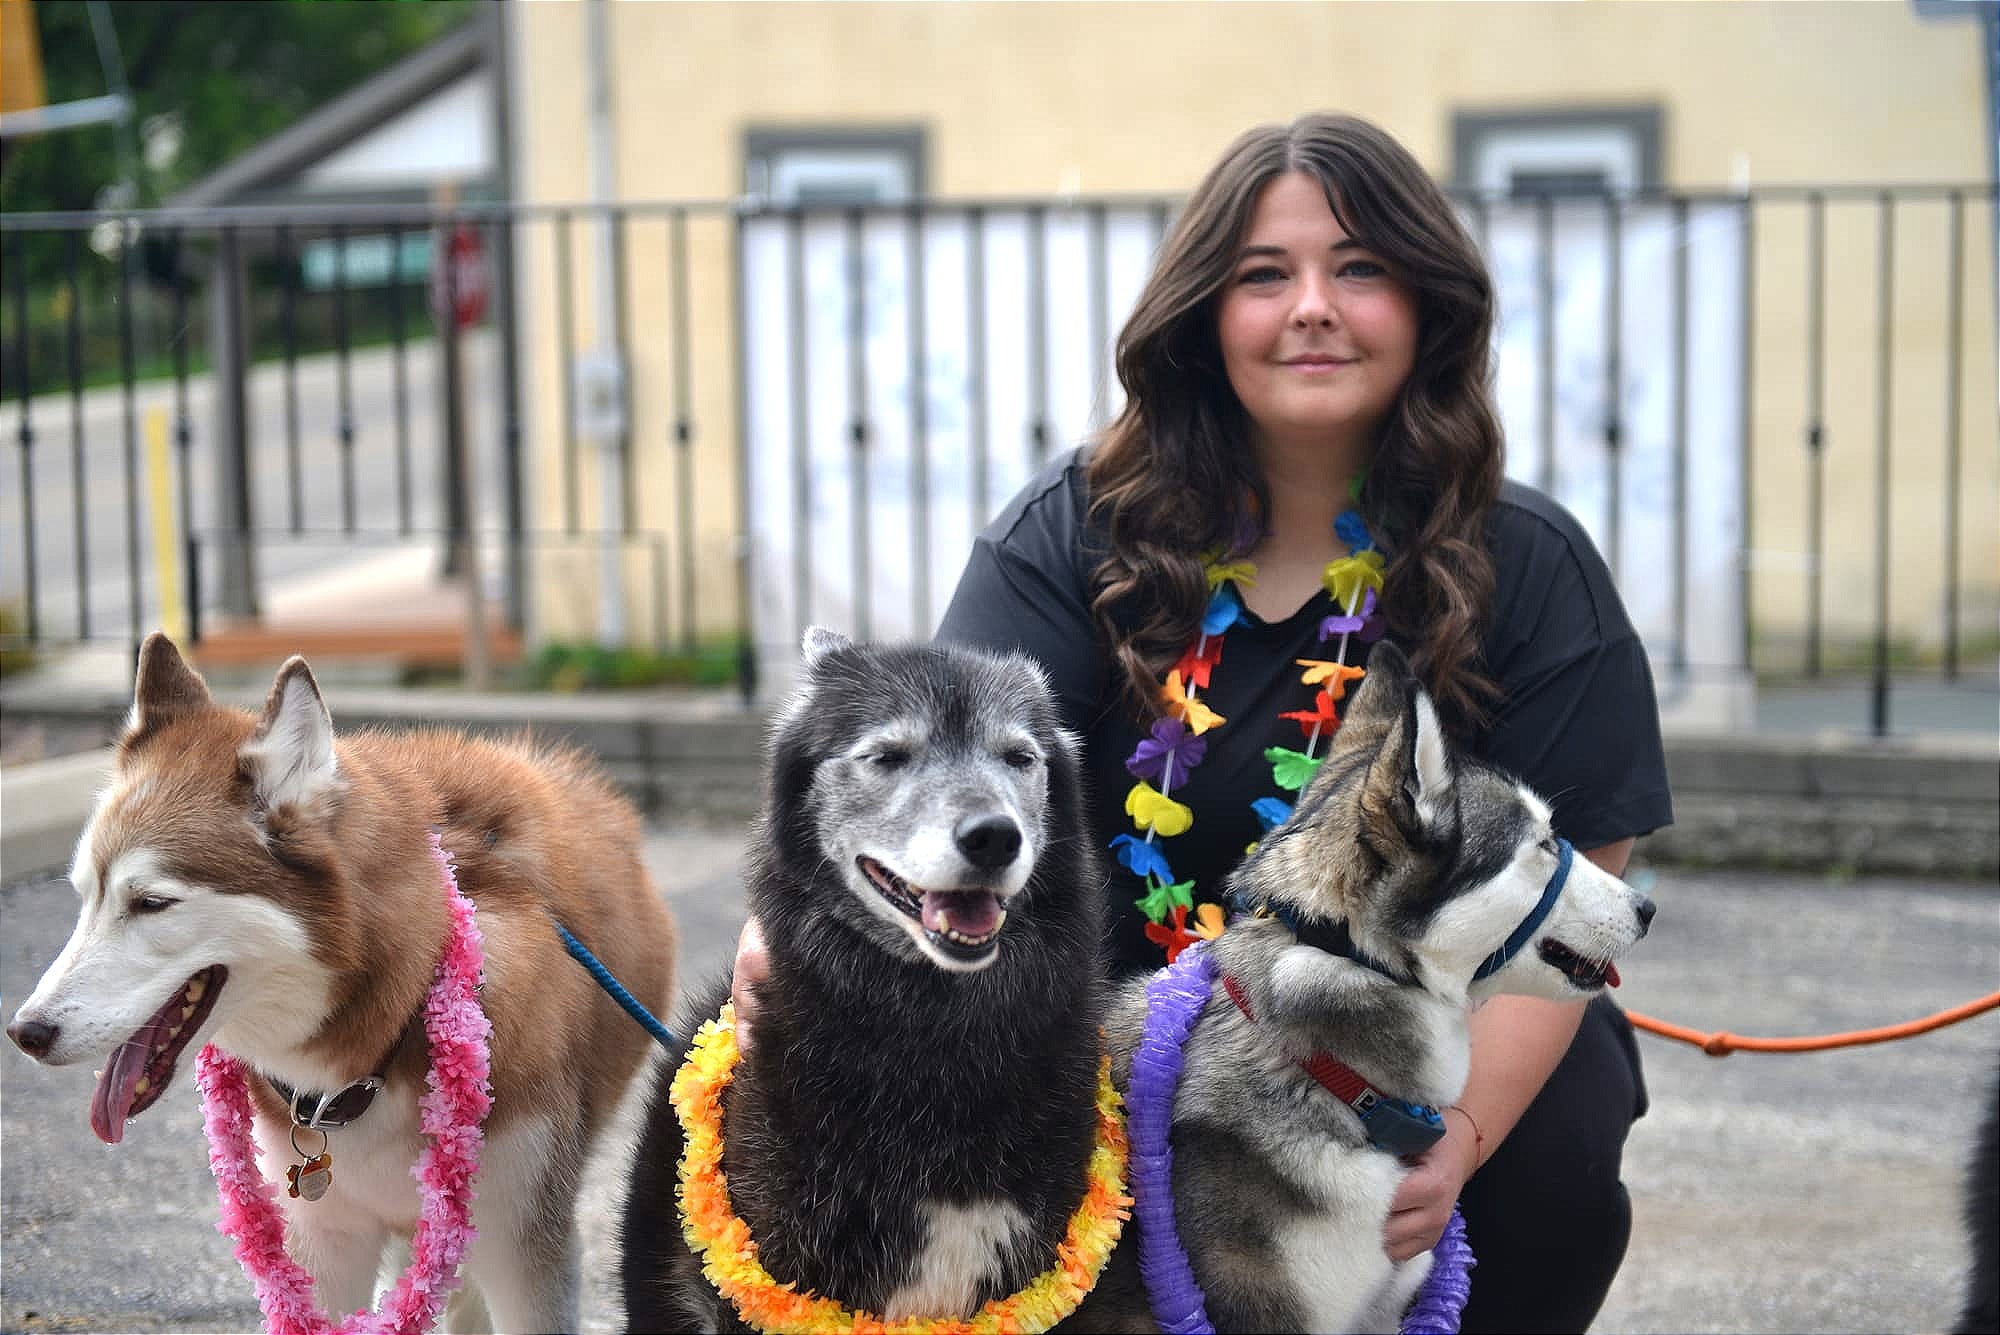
{"points": [[118, 1087], [1611, 975], [973, 913]]}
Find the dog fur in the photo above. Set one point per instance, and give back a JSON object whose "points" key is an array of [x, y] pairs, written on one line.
{"points": [[301, 864], [909, 1133], [1431, 859]]}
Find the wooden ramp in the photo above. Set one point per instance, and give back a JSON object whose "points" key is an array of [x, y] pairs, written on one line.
{"points": [[394, 607]]}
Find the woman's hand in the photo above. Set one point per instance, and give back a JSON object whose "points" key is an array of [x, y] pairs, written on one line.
{"points": [[752, 966], [1423, 1203]]}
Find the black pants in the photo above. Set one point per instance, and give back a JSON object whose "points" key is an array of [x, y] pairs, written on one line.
{"points": [[1546, 1216]]}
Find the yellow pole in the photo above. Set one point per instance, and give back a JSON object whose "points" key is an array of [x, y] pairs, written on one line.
{"points": [[166, 537]]}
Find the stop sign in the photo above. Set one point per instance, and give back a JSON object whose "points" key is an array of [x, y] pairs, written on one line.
{"points": [[464, 260]]}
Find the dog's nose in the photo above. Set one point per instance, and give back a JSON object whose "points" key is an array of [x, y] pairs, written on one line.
{"points": [[988, 841], [32, 1037], [1645, 911]]}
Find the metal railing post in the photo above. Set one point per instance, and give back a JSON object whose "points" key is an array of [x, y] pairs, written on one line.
{"points": [[229, 360]]}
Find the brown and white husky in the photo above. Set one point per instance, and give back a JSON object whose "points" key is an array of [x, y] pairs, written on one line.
{"points": [[256, 883]]}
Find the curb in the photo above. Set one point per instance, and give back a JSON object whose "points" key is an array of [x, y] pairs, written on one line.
{"points": [[42, 809]]}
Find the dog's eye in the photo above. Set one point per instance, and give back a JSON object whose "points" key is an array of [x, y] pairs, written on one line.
{"points": [[889, 757], [152, 903], [1021, 758]]}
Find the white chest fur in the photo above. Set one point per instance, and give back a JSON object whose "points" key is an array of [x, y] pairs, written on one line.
{"points": [[964, 1247], [1332, 1257]]}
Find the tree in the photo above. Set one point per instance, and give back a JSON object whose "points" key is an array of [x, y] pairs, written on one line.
{"points": [[217, 76]]}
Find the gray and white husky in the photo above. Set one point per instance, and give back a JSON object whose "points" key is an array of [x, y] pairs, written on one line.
{"points": [[1411, 883], [911, 1130]]}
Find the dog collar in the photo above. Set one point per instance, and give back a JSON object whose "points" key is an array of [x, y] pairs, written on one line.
{"points": [[1565, 855], [1334, 938], [319, 1110], [1396, 1125]]}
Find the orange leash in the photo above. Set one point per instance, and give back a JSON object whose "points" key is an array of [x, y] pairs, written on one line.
{"points": [[1722, 1044]]}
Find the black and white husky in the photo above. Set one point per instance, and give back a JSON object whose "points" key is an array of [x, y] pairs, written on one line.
{"points": [[911, 1129], [1411, 883]]}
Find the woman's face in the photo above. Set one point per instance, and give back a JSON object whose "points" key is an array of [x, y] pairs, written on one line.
{"points": [[1317, 335]]}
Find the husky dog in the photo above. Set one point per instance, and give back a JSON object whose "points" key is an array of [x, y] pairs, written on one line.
{"points": [[1404, 871], [911, 1131], [258, 884]]}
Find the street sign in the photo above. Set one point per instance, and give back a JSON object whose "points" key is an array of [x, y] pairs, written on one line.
{"points": [[465, 261], [365, 261]]}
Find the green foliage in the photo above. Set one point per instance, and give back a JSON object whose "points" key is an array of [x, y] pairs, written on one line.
{"points": [[586, 666], [230, 74], [1781, 660], [220, 78]]}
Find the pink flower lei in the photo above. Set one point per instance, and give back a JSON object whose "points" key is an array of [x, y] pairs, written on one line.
{"points": [[452, 1114]]}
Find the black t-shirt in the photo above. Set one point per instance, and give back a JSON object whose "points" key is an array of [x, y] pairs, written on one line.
{"points": [[1576, 719]]}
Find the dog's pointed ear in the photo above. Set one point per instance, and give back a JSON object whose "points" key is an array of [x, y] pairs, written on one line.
{"points": [[1382, 696], [1410, 773], [1427, 774], [290, 756], [820, 642], [166, 688]]}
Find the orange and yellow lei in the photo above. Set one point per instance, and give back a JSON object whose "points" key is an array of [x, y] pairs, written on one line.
{"points": [[729, 1253]]}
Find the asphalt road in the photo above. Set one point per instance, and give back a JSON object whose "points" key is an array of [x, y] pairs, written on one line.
{"points": [[1793, 1193], [87, 439]]}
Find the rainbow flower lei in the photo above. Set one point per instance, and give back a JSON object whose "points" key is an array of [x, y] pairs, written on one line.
{"points": [[452, 1115], [729, 1253], [1178, 742]]}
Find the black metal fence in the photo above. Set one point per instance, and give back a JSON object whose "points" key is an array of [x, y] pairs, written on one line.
{"points": [[894, 372]]}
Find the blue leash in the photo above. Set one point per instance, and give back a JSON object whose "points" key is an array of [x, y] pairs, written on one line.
{"points": [[617, 990]]}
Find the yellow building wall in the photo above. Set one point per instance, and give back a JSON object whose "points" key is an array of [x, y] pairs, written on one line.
{"points": [[1034, 99]]}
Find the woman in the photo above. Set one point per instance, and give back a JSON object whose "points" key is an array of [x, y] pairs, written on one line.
{"points": [[1307, 378]]}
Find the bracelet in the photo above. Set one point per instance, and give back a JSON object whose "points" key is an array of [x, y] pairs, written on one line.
{"points": [[1478, 1137]]}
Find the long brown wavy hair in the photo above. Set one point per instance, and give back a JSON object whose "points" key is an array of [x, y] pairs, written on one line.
{"points": [[1174, 476]]}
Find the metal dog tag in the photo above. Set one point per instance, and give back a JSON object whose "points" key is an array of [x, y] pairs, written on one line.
{"points": [[309, 1180]]}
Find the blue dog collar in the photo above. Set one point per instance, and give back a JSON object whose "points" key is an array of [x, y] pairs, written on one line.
{"points": [[1332, 937], [1565, 855]]}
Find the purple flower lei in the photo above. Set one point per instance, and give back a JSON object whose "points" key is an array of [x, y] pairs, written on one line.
{"points": [[1175, 997]]}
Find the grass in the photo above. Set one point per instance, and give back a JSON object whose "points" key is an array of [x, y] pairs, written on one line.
{"points": [[585, 666], [14, 629], [1782, 662], [573, 667]]}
